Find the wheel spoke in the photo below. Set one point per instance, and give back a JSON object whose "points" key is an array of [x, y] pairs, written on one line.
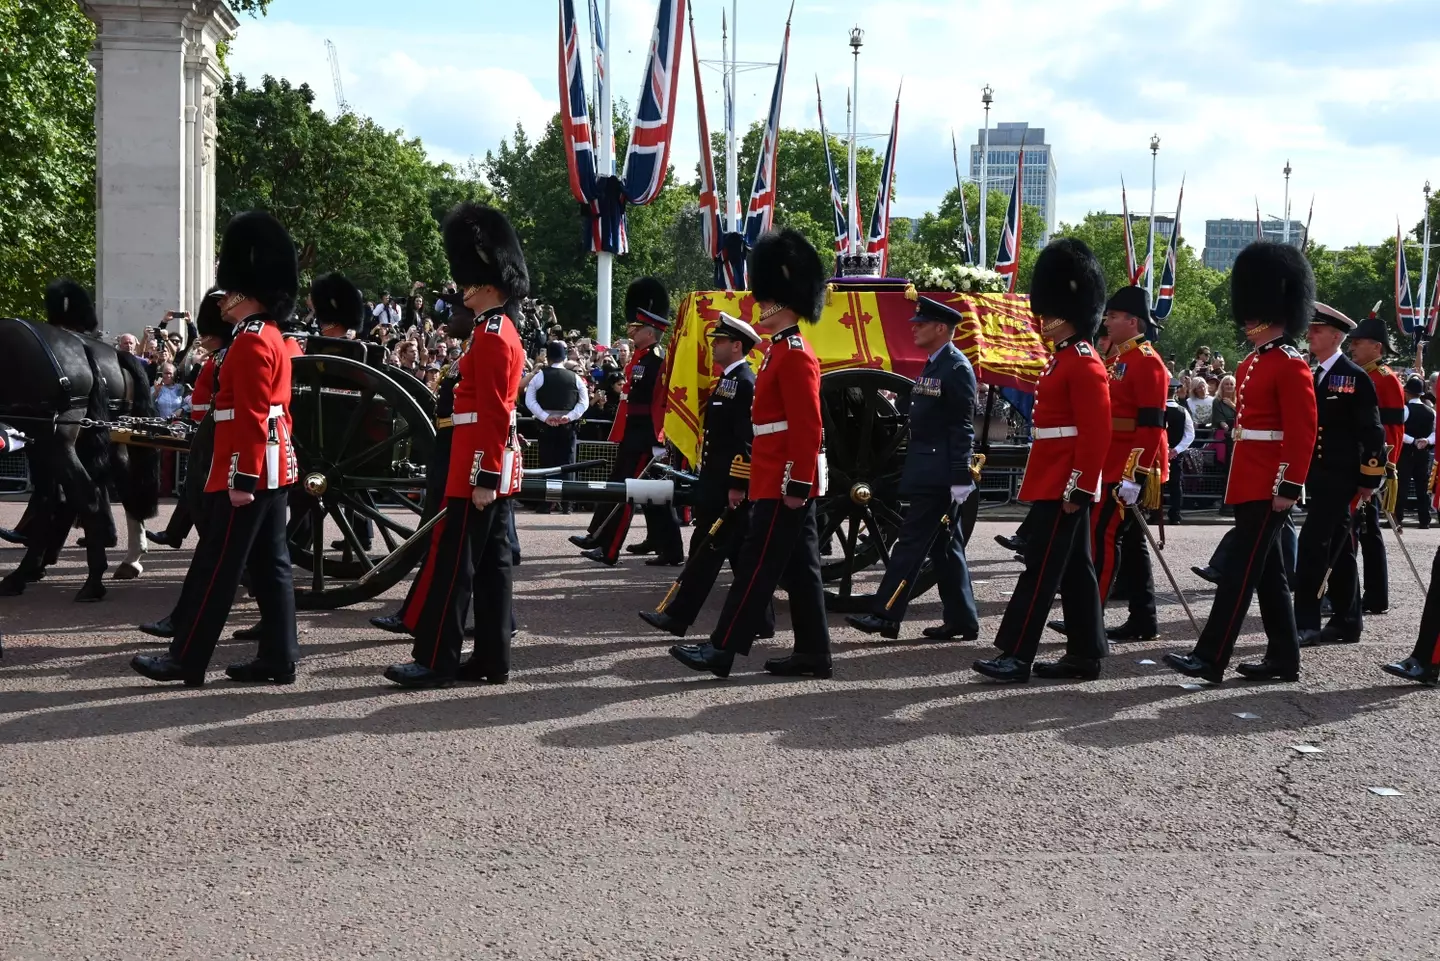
{"points": [[877, 536], [352, 542], [317, 548], [376, 516], [347, 465], [357, 417]]}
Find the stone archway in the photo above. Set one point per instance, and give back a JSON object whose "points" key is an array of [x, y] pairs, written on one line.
{"points": [[156, 76]]}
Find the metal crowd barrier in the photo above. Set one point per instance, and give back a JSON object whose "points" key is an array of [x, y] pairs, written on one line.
{"points": [[14, 474]]}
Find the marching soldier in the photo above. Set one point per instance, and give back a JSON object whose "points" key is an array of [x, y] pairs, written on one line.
{"points": [[1423, 664], [472, 553], [251, 469], [1348, 463], [1368, 345], [1063, 477], [639, 430], [1272, 293], [723, 477], [936, 479], [1416, 453], [787, 281], [338, 305], [407, 619], [1135, 463]]}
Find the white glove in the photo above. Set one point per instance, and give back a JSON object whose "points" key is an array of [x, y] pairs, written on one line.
{"points": [[959, 493], [1129, 492], [659, 453]]}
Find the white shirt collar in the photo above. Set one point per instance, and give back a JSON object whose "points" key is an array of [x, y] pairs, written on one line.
{"points": [[1323, 368], [727, 370], [561, 364]]}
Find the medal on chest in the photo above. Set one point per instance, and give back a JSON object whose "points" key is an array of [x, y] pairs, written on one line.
{"points": [[1117, 373], [725, 389], [1342, 384], [928, 386]]}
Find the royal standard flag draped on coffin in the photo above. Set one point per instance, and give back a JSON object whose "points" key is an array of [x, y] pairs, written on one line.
{"points": [[858, 329]]}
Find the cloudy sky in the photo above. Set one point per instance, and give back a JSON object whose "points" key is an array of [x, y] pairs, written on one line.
{"points": [[1347, 90]]}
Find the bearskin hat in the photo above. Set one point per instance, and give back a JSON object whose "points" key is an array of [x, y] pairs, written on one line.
{"points": [[68, 305], [484, 250], [1069, 285], [1273, 283], [209, 322], [257, 258], [786, 270], [648, 294], [337, 301]]}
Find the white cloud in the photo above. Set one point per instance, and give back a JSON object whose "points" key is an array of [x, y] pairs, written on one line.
{"points": [[1232, 94]]}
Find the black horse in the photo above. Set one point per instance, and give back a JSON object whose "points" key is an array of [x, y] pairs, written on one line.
{"points": [[54, 379]]}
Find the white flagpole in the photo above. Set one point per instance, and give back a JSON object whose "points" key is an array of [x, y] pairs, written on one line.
{"points": [[605, 262], [1150, 254], [1425, 260], [987, 96], [732, 141], [857, 38]]}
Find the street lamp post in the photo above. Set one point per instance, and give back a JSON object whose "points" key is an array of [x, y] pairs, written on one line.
{"points": [[1285, 231], [987, 96], [1150, 266], [605, 262], [857, 40]]}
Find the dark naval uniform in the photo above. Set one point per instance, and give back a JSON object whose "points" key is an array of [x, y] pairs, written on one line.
{"points": [[724, 467], [1349, 457], [1416, 454], [937, 467]]}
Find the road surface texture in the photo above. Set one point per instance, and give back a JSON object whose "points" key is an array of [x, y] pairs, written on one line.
{"points": [[608, 804]]}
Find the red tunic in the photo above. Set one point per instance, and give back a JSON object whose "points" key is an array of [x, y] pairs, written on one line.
{"points": [[253, 449], [785, 461], [1391, 395], [490, 371], [1072, 427], [1139, 384], [294, 346], [204, 389], [1275, 399], [642, 393]]}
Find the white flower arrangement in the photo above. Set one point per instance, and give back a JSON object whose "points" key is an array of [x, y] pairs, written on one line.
{"points": [[960, 279]]}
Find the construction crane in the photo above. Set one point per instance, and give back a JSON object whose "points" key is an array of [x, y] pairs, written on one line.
{"points": [[340, 102]]}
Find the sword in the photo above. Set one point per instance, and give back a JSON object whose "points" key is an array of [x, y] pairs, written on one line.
{"points": [[1160, 556], [1335, 559], [422, 532], [1405, 550], [947, 522], [707, 543]]}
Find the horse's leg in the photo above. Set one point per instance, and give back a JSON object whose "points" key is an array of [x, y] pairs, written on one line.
{"points": [[43, 531], [95, 562], [131, 568]]}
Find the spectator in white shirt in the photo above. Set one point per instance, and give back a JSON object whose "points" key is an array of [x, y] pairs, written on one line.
{"points": [[387, 312], [557, 397], [1180, 432]]}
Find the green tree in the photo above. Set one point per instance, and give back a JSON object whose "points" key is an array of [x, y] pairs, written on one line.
{"points": [[356, 197], [47, 150], [937, 233]]}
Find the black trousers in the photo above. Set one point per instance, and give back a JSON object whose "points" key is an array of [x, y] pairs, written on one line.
{"points": [[779, 542], [1375, 594], [1122, 555], [232, 539], [1427, 643], [1326, 537], [1225, 552], [180, 524], [473, 561], [1255, 567], [557, 448], [610, 524], [707, 555], [1057, 560], [1414, 468], [1175, 490], [918, 539]]}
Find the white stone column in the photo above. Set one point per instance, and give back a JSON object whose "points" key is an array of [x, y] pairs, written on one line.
{"points": [[157, 74]]}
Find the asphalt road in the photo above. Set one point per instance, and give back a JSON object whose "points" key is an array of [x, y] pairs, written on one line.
{"points": [[608, 804]]}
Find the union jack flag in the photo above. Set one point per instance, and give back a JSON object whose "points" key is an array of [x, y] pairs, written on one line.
{"points": [[1146, 270], [967, 239], [1007, 260], [1407, 315], [602, 57], [879, 239], [763, 195], [1166, 300], [1132, 271], [575, 113], [842, 234], [709, 192], [648, 160], [1433, 314]]}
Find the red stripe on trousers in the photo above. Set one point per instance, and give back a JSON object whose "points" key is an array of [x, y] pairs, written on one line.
{"points": [[622, 527], [205, 599], [1107, 542], [759, 563], [410, 616], [454, 576], [1030, 612]]}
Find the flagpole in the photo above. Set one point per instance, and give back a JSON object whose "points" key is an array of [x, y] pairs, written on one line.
{"points": [[857, 39], [1150, 256], [987, 96], [605, 261], [1424, 277], [732, 141]]}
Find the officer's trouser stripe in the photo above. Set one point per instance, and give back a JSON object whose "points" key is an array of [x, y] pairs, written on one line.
{"points": [[210, 587], [622, 526], [754, 573], [415, 600], [456, 562], [1040, 579], [1107, 544]]}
